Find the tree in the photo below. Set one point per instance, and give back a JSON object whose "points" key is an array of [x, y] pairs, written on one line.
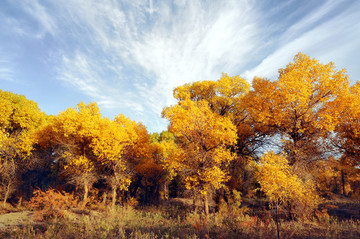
{"points": [[346, 139], [19, 119], [301, 106], [166, 154], [138, 155], [223, 96], [70, 136], [151, 174], [9, 178], [86, 145], [337, 175], [226, 98], [347, 132], [284, 188], [204, 137], [110, 148]]}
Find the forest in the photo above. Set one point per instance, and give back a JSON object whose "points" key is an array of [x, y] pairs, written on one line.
{"points": [[272, 159]]}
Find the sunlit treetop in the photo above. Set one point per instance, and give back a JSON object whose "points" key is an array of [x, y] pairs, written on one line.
{"points": [[139, 143], [194, 122], [305, 98], [19, 118], [223, 95], [311, 90], [18, 113], [89, 138]]}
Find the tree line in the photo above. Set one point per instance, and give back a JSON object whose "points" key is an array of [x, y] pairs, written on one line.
{"points": [[293, 140]]}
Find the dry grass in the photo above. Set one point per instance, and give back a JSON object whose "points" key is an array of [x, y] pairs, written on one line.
{"points": [[153, 222], [51, 203]]}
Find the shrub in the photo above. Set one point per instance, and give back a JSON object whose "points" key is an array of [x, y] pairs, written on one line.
{"points": [[51, 203]]}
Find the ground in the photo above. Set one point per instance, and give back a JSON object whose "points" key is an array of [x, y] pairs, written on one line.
{"points": [[16, 219], [178, 221]]}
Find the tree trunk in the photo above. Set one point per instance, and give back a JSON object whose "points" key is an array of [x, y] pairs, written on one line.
{"points": [[277, 221], [104, 198], [156, 194], [113, 196], [290, 211], [7, 194], [5, 197], [220, 197], [194, 204], [164, 194], [206, 205], [343, 182], [86, 193]]}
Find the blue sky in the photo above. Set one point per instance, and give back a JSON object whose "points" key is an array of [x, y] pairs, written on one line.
{"points": [[128, 55]]}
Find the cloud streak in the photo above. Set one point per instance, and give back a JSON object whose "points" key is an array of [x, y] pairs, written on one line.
{"points": [[152, 47], [328, 39], [40, 14], [129, 55], [6, 72], [6, 68]]}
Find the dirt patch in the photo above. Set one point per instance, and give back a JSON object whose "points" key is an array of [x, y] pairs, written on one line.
{"points": [[16, 219]]}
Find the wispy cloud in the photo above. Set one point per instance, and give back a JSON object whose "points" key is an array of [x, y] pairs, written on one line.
{"points": [[129, 55], [152, 47], [37, 11], [6, 68], [6, 73], [318, 35], [89, 77]]}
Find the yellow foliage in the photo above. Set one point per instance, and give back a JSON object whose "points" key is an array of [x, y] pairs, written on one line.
{"points": [[303, 99], [150, 171], [19, 119], [303, 105], [139, 141], [348, 129], [337, 176], [203, 137], [283, 187], [87, 138], [168, 154], [86, 143], [223, 96]]}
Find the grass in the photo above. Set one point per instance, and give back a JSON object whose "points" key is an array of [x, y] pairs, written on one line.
{"points": [[173, 222]]}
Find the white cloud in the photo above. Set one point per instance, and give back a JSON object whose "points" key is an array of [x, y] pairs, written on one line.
{"points": [[197, 44], [88, 77], [308, 21], [328, 41], [6, 68], [129, 55], [6, 73], [160, 46], [39, 12]]}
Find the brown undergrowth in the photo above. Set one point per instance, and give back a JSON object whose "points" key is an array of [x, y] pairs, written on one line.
{"points": [[60, 220], [51, 203]]}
